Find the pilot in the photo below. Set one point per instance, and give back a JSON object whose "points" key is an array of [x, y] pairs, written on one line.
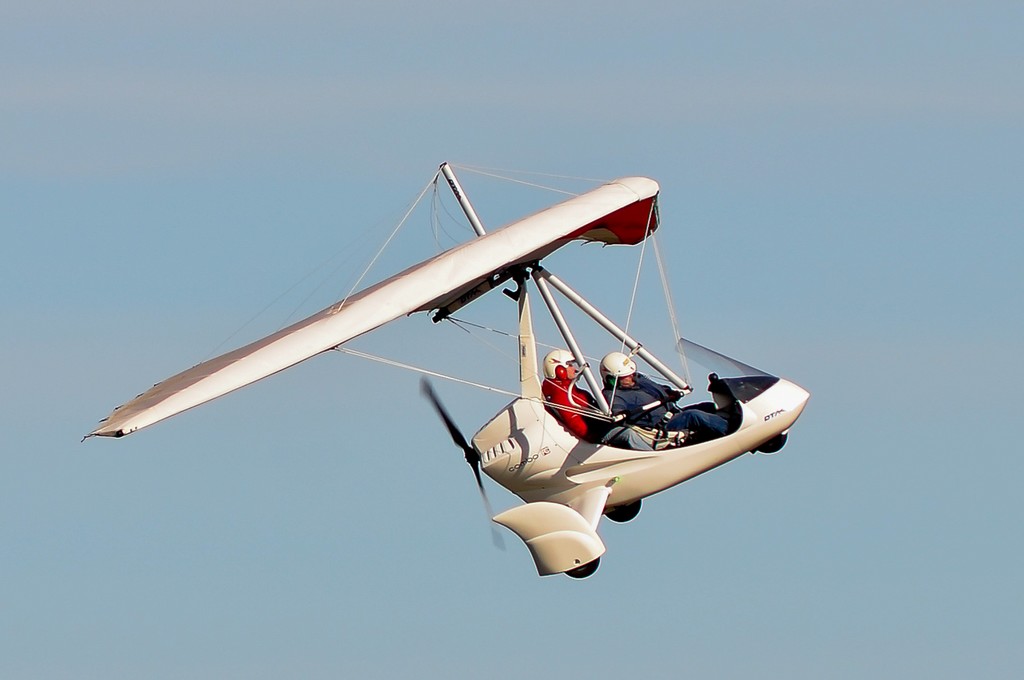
{"points": [[628, 392], [567, 401]]}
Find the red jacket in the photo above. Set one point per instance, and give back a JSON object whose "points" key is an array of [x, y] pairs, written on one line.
{"points": [[565, 393]]}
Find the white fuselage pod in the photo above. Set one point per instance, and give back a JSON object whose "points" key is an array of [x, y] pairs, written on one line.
{"points": [[527, 451]]}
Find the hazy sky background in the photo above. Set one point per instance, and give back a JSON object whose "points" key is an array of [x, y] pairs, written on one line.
{"points": [[841, 204]]}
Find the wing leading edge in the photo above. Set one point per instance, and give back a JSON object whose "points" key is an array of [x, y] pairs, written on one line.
{"points": [[617, 212]]}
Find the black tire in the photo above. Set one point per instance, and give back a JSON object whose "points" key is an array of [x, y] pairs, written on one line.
{"points": [[623, 513], [774, 445], [585, 570]]}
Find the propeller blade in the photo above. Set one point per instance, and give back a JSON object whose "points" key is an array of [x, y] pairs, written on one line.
{"points": [[495, 535], [472, 457]]}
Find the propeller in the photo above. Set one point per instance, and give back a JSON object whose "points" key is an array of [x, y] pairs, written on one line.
{"points": [[472, 457]]}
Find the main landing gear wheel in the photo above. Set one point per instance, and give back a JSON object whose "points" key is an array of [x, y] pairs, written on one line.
{"points": [[584, 571], [623, 513]]}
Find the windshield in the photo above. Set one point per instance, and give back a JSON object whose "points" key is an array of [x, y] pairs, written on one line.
{"points": [[701, 361], [728, 377]]}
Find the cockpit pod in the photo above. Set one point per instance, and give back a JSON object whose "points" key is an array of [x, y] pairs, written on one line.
{"points": [[569, 484]]}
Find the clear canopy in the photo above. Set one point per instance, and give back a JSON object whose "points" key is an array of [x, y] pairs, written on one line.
{"points": [[709, 361]]}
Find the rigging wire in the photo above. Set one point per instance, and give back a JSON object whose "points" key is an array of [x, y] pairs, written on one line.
{"points": [[493, 173], [673, 317], [498, 331], [503, 353], [481, 170], [540, 343], [335, 308], [648, 233], [462, 381], [437, 206], [424, 371], [636, 286], [270, 304], [346, 251]]}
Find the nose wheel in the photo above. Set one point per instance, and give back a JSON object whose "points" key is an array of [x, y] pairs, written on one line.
{"points": [[774, 445]]}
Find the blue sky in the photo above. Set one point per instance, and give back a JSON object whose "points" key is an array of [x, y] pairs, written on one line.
{"points": [[841, 204]]}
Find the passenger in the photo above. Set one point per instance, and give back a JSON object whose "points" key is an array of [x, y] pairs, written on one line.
{"points": [[628, 392], [568, 402], [559, 389]]}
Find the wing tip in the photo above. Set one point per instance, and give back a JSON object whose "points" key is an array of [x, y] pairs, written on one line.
{"points": [[100, 432]]}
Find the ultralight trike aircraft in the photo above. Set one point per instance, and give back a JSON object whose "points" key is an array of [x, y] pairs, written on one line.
{"points": [[568, 484]]}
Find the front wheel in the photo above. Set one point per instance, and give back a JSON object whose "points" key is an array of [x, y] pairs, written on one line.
{"points": [[774, 445]]}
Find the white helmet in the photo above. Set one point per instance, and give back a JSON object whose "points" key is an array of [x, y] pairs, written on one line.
{"points": [[616, 365], [555, 359]]}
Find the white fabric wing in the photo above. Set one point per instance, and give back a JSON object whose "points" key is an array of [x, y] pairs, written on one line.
{"points": [[619, 212]]}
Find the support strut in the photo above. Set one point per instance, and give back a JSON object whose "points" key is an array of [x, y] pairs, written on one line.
{"points": [[460, 196], [606, 323], [570, 341]]}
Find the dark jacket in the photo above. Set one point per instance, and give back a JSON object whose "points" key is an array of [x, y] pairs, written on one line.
{"points": [[632, 399]]}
